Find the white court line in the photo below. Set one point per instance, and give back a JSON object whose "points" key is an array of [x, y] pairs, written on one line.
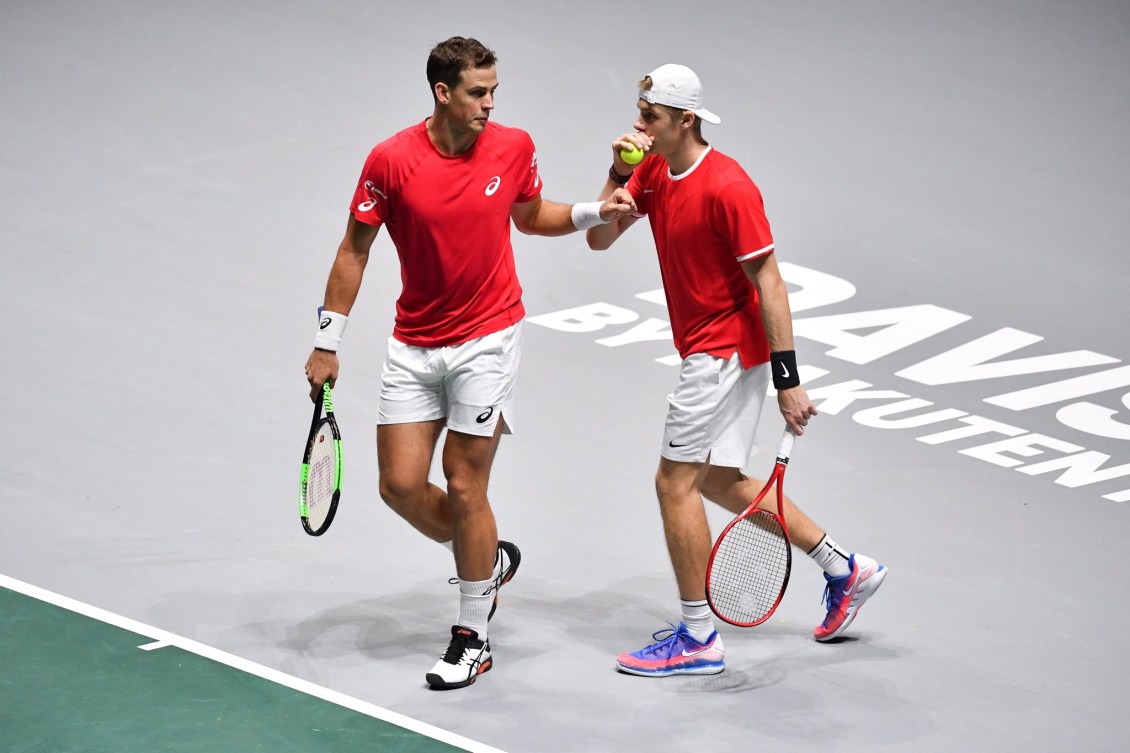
{"points": [[163, 638]]}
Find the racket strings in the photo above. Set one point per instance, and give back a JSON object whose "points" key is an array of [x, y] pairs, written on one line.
{"points": [[320, 483], [750, 568]]}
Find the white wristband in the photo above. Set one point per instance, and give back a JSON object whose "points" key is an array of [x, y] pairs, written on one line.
{"points": [[331, 327], [587, 215]]}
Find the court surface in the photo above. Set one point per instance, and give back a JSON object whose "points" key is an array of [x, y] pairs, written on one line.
{"points": [[948, 187]]}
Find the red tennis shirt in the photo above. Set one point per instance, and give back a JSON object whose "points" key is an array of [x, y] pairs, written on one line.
{"points": [[449, 218], [705, 223]]}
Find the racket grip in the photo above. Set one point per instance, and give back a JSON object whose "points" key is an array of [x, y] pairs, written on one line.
{"points": [[786, 448]]}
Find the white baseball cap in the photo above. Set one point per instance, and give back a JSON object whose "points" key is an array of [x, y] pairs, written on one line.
{"points": [[677, 86]]}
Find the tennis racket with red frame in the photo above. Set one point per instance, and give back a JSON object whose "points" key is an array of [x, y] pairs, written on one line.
{"points": [[752, 558]]}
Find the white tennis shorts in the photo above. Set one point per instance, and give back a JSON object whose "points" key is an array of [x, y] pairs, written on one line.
{"points": [[713, 413], [471, 384]]}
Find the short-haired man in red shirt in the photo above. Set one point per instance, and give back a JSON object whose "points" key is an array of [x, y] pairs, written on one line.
{"points": [[447, 189], [731, 323]]}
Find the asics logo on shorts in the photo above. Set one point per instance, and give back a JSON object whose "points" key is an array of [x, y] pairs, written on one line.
{"points": [[495, 182], [483, 417]]}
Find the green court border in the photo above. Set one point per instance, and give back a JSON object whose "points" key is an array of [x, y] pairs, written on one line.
{"points": [[161, 638]]}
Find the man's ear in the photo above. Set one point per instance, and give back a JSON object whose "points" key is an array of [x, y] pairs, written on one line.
{"points": [[443, 93]]}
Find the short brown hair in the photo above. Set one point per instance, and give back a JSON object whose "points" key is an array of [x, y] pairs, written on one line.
{"points": [[451, 57]]}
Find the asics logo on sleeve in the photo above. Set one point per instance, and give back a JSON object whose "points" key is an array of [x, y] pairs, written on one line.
{"points": [[371, 202], [495, 182]]}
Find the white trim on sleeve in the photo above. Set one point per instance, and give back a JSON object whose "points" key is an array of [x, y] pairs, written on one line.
{"points": [[759, 252]]}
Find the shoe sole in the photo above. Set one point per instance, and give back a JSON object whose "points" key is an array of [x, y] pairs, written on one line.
{"points": [[867, 590], [515, 560], [710, 669], [439, 683]]}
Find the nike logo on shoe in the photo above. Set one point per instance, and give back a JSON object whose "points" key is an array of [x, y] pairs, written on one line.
{"points": [[696, 653]]}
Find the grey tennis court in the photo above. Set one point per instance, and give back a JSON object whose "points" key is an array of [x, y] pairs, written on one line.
{"points": [[948, 187]]}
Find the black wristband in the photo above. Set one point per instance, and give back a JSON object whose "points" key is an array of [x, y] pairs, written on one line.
{"points": [[617, 178], [783, 364]]}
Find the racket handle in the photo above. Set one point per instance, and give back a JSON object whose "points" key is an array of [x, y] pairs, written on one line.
{"points": [[786, 448]]}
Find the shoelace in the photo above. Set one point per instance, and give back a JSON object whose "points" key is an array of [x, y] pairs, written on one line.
{"points": [[833, 594], [665, 639], [826, 598], [456, 650]]}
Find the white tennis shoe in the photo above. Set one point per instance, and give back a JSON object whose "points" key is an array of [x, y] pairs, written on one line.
{"points": [[466, 658]]}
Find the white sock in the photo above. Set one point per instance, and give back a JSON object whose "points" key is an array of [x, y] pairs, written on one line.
{"points": [[831, 558], [699, 619], [474, 604]]}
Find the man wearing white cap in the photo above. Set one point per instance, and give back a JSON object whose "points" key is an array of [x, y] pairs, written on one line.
{"points": [[731, 323]]}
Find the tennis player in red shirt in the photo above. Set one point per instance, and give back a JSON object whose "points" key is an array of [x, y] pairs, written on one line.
{"points": [[447, 189], [732, 325]]}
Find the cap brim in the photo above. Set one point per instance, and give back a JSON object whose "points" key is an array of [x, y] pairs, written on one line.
{"points": [[707, 115]]}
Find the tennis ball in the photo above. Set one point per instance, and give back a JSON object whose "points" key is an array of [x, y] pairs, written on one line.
{"points": [[632, 156]]}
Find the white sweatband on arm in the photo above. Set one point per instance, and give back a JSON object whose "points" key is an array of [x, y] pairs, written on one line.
{"points": [[587, 215], [331, 327]]}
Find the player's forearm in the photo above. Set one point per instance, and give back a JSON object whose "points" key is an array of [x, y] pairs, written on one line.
{"points": [[551, 218], [775, 313], [345, 279], [602, 237], [777, 320]]}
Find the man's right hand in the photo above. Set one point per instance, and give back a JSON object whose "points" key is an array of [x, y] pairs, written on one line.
{"points": [[619, 204], [321, 367], [796, 407], [627, 141]]}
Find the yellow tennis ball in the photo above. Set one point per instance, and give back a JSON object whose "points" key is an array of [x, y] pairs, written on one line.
{"points": [[632, 156]]}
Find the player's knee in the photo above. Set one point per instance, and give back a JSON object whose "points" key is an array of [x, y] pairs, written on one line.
{"points": [[466, 492], [397, 493], [670, 487]]}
